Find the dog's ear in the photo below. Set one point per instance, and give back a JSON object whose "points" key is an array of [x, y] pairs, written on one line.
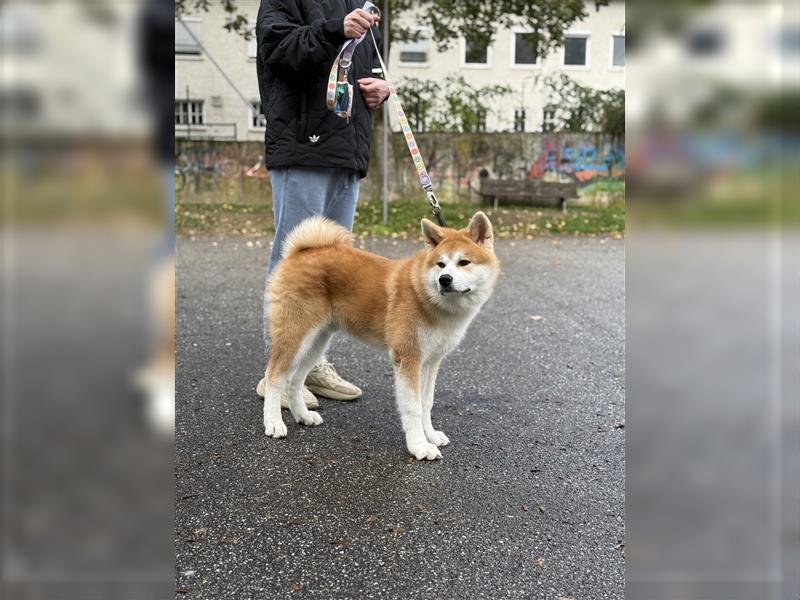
{"points": [[431, 233], [480, 230]]}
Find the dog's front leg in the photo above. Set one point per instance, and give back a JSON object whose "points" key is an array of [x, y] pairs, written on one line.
{"points": [[407, 375], [429, 372], [274, 426]]}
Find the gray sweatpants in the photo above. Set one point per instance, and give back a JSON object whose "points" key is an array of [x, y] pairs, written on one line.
{"points": [[299, 193]]}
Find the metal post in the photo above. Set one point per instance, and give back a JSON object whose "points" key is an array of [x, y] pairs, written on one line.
{"points": [[188, 119], [385, 161]]}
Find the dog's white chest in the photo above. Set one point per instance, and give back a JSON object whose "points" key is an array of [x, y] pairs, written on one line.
{"points": [[440, 340]]}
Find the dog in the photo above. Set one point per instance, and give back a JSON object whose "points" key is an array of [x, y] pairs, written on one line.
{"points": [[419, 308]]}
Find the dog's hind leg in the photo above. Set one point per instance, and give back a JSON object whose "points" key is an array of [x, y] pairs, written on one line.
{"points": [[429, 371], [407, 375], [285, 347], [311, 350]]}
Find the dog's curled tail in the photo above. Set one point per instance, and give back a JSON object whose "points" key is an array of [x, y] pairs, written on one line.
{"points": [[315, 232]]}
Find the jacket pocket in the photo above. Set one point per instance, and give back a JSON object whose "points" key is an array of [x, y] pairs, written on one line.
{"points": [[303, 121], [321, 123]]}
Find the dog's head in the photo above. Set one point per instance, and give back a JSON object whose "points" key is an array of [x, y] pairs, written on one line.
{"points": [[460, 267]]}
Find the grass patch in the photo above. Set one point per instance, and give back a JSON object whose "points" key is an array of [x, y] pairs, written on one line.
{"points": [[404, 217]]}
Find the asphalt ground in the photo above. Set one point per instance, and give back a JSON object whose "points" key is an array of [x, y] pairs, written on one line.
{"points": [[528, 501]]}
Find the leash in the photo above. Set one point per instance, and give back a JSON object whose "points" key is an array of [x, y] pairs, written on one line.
{"points": [[339, 98]]}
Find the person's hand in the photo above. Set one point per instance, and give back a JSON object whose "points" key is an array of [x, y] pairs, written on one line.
{"points": [[373, 90], [358, 22]]}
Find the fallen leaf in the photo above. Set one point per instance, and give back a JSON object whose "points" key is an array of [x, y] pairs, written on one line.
{"points": [[372, 518], [396, 530], [198, 535], [295, 587], [342, 542], [295, 521], [230, 538], [538, 561]]}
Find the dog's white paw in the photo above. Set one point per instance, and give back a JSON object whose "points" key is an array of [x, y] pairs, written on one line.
{"points": [[311, 418], [438, 438], [275, 429], [425, 451], [310, 400]]}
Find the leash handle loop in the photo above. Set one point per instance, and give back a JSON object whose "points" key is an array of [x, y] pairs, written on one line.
{"points": [[335, 102]]}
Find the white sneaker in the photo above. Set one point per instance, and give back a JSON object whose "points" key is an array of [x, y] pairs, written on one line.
{"points": [[323, 380], [309, 398]]}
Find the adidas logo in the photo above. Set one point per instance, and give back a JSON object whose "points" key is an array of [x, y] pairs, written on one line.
{"points": [[313, 139]]}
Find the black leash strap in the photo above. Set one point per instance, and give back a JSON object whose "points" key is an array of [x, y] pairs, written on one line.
{"points": [[437, 209]]}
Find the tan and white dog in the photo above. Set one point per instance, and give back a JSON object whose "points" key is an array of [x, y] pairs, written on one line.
{"points": [[418, 307]]}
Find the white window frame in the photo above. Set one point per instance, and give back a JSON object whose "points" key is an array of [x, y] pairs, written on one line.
{"points": [[466, 65], [251, 114], [523, 67], [545, 121], [611, 64], [483, 126], [188, 112], [190, 56], [514, 112], [583, 34], [416, 65], [252, 43]]}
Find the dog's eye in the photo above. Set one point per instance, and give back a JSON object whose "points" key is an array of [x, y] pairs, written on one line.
{"points": [[463, 262], [440, 265]]}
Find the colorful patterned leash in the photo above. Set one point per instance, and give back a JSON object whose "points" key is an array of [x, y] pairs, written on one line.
{"points": [[341, 103], [339, 96]]}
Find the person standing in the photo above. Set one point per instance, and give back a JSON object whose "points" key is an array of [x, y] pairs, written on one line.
{"points": [[316, 158]]}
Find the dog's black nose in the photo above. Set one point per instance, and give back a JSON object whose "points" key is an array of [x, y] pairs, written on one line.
{"points": [[445, 280]]}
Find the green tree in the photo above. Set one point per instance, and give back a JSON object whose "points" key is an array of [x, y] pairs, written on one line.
{"points": [[575, 107], [448, 20], [236, 20], [452, 105]]}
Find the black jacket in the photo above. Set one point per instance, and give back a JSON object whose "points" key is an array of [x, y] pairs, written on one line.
{"points": [[297, 42]]}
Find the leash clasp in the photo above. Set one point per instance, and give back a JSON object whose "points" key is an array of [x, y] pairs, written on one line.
{"points": [[437, 209]]}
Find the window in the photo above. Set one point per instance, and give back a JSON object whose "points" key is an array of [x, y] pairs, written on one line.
{"points": [[188, 112], [415, 52], [705, 41], [519, 119], [575, 50], [526, 48], [481, 124], [476, 52], [789, 40], [257, 120], [617, 50], [184, 42], [548, 120], [417, 116]]}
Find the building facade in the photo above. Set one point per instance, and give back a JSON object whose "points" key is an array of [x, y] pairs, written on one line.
{"points": [[222, 102], [593, 55], [216, 91]]}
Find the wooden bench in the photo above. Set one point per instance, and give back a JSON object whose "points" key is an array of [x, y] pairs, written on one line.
{"points": [[533, 192]]}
